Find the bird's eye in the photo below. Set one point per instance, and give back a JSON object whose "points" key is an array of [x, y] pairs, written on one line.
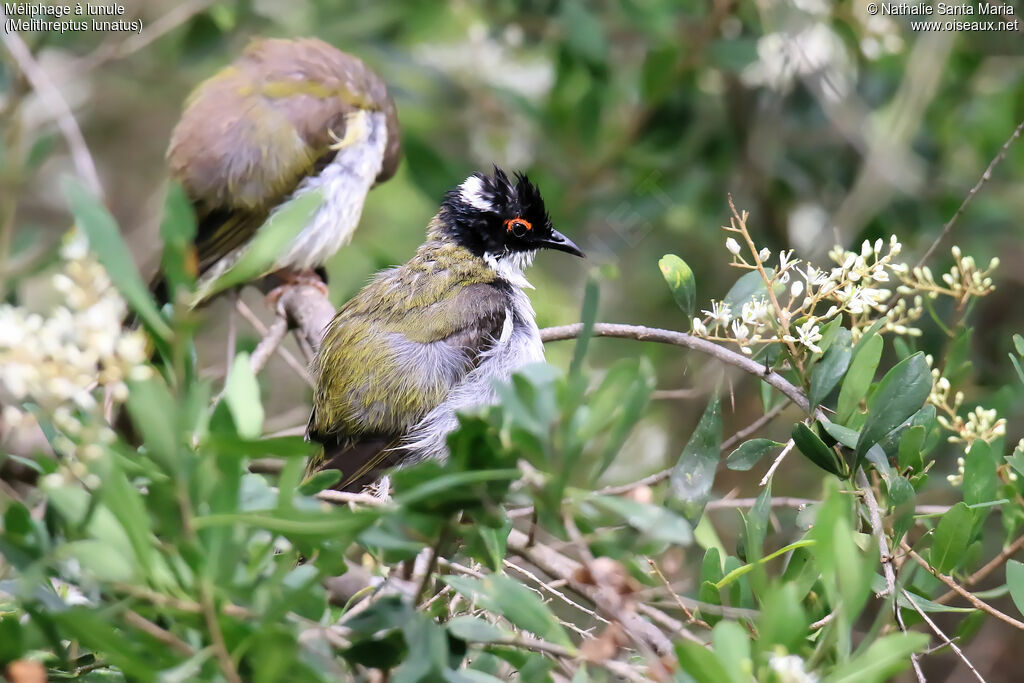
{"points": [[518, 226]]}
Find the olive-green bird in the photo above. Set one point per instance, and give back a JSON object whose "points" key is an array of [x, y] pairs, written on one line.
{"points": [[286, 118], [429, 338]]}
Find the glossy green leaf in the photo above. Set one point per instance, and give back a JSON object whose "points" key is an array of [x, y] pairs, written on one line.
{"points": [[749, 453], [899, 395], [911, 443], [830, 369], [113, 254], [653, 521], [694, 473], [844, 435], [980, 478], [680, 280], [811, 445], [951, 538], [859, 377]]}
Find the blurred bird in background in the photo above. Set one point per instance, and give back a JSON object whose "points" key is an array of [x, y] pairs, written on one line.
{"points": [[288, 119], [429, 338]]}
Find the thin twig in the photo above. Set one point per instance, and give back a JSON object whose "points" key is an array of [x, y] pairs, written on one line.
{"points": [[261, 329], [777, 462], [653, 334], [270, 342], [939, 633], [677, 394], [554, 591], [58, 106], [227, 665], [974, 190], [965, 594], [163, 635], [875, 518], [664, 582]]}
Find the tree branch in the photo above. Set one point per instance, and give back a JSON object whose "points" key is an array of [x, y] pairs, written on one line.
{"points": [[58, 106]]}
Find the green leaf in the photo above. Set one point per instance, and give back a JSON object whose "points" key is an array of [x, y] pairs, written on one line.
{"points": [[113, 254], [322, 480], [952, 536], [1015, 580], [271, 239], [336, 524], [748, 287], [475, 630], [693, 475], [911, 443], [514, 601], [980, 479], [732, 647], [680, 280], [100, 560], [178, 229], [242, 396], [1018, 344], [881, 661], [811, 445], [747, 568], [653, 521], [830, 369], [154, 416], [749, 452], [782, 620], [844, 435], [701, 663], [588, 315], [899, 395], [859, 377]]}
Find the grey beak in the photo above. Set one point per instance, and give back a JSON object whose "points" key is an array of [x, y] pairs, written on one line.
{"points": [[562, 243]]}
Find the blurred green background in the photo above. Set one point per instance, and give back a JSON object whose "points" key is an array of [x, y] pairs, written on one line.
{"points": [[636, 118]]}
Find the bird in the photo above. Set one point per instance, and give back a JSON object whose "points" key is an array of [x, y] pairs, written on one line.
{"points": [[288, 117], [429, 338]]}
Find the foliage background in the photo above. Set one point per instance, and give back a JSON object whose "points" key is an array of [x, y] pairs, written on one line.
{"points": [[636, 118]]}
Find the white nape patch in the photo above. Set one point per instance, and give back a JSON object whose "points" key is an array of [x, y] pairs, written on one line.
{"points": [[472, 192], [510, 266]]}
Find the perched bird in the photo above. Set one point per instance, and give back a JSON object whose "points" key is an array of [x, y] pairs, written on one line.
{"points": [[286, 118], [428, 338]]}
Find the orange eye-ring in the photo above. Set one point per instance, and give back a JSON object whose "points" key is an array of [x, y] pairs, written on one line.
{"points": [[518, 226]]}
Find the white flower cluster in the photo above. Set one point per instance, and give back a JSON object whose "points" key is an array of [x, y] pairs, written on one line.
{"points": [[60, 362], [980, 423], [790, 669], [866, 286]]}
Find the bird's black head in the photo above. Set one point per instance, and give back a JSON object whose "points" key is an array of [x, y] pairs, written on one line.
{"points": [[494, 218]]}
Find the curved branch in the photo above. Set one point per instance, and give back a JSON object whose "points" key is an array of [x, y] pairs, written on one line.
{"points": [[653, 334]]}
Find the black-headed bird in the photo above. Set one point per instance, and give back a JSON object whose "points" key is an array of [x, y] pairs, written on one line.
{"points": [[287, 118], [431, 337]]}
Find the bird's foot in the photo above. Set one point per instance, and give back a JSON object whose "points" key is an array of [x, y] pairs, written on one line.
{"points": [[291, 279], [357, 127]]}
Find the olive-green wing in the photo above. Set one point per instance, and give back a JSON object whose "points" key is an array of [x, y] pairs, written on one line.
{"points": [[379, 373]]}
